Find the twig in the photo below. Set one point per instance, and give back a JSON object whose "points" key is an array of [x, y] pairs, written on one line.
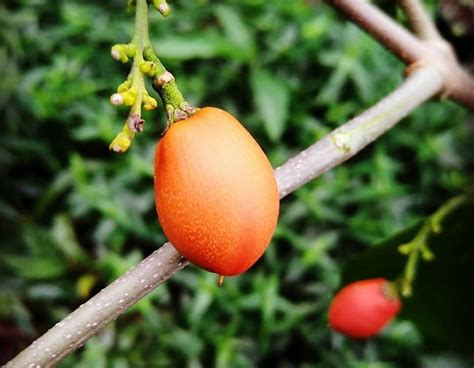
{"points": [[458, 84], [91, 317], [420, 21], [418, 246], [390, 34], [347, 140], [335, 148]]}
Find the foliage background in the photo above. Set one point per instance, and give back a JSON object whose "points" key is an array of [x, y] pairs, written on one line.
{"points": [[74, 216]]}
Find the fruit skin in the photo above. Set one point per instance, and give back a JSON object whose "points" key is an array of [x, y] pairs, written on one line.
{"points": [[215, 192], [361, 309]]}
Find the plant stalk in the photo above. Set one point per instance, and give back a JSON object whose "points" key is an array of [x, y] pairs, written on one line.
{"points": [[458, 84], [420, 20]]}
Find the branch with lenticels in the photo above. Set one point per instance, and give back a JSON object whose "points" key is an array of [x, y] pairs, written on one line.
{"points": [[458, 84]]}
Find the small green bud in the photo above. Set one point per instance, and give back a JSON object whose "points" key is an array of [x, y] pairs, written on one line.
{"points": [[162, 6], [436, 227], [129, 97], [149, 103], [115, 54], [116, 99], [130, 50], [426, 253], [405, 248], [121, 143], [148, 67], [118, 53], [126, 98], [124, 86], [122, 52]]}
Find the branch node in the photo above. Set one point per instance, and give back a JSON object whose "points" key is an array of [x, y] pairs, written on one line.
{"points": [[163, 79], [420, 20], [342, 140], [162, 6]]}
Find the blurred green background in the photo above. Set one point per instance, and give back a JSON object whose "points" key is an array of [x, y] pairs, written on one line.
{"points": [[74, 216]]}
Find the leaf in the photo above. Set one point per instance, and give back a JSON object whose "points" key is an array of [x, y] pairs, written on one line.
{"points": [[271, 97], [65, 236], [85, 284], [236, 31], [36, 268], [205, 46]]}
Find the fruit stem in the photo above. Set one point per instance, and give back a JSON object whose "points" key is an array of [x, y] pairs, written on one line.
{"points": [[419, 244], [220, 280], [177, 108]]}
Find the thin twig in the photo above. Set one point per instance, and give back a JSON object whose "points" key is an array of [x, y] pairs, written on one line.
{"points": [[420, 20], [330, 151]]}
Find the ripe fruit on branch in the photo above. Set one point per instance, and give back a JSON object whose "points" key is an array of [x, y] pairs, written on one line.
{"points": [[216, 195], [363, 308]]}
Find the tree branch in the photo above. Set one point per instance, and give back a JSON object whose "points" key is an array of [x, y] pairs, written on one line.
{"points": [[383, 28], [457, 83], [91, 317], [420, 21], [347, 140], [337, 147]]}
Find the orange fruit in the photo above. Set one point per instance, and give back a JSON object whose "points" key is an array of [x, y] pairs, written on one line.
{"points": [[216, 195]]}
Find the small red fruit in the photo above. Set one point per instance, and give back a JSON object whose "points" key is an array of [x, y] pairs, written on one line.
{"points": [[363, 308], [216, 195]]}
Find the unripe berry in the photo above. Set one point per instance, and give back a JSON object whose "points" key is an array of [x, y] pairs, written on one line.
{"points": [[363, 308]]}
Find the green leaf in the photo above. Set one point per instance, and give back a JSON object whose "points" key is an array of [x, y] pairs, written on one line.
{"points": [[205, 46], [65, 236], [236, 31], [271, 97], [36, 268]]}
